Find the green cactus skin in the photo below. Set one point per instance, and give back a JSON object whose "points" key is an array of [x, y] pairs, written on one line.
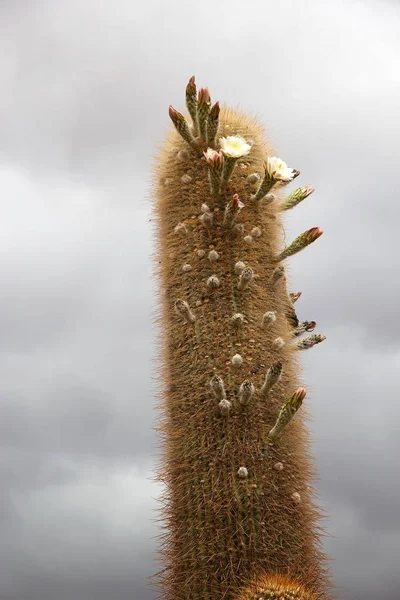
{"points": [[238, 506]]}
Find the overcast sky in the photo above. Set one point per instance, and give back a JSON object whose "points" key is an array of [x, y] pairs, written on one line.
{"points": [[86, 86]]}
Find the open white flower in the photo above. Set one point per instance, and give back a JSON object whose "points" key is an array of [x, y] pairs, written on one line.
{"points": [[234, 146], [277, 169]]}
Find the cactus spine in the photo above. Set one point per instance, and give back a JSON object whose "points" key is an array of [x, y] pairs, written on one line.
{"points": [[240, 518]]}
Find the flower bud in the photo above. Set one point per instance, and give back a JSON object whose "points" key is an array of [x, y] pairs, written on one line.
{"points": [[206, 219], [225, 407], [186, 268], [237, 320], [245, 277], [302, 241], [269, 318], [246, 391], [243, 472], [212, 283], [256, 232], [183, 309], [186, 178], [309, 341], [278, 466], [236, 360], [213, 256], [239, 266], [217, 386]]}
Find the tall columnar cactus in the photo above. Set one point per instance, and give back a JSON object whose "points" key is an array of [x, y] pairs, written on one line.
{"points": [[238, 505]]}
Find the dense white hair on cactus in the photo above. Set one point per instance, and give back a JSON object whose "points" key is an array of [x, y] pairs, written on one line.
{"points": [[237, 360], [180, 228], [213, 256], [243, 472], [239, 266], [182, 155], [269, 317], [237, 320], [225, 407], [183, 309], [212, 283], [278, 466]]}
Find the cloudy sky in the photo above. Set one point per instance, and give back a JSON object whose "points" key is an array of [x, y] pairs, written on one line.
{"points": [[86, 86]]}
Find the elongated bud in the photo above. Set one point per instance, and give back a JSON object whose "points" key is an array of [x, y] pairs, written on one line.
{"points": [[183, 309], [191, 103], [278, 273], [232, 210], [269, 318], [273, 375], [302, 241], [203, 109], [303, 327], [213, 124], [225, 407], [182, 127], [243, 472], [212, 283], [237, 320], [245, 277], [291, 316], [217, 386], [287, 412], [246, 392], [309, 341], [295, 297], [296, 197], [215, 161]]}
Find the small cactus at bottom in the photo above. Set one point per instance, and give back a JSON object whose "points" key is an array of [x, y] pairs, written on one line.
{"points": [[236, 463]]}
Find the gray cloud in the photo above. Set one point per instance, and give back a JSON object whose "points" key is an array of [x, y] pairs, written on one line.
{"points": [[84, 105]]}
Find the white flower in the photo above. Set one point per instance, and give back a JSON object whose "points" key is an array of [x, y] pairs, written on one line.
{"points": [[277, 169], [234, 146]]}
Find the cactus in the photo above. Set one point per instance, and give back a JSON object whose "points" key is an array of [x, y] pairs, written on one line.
{"points": [[241, 523]]}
